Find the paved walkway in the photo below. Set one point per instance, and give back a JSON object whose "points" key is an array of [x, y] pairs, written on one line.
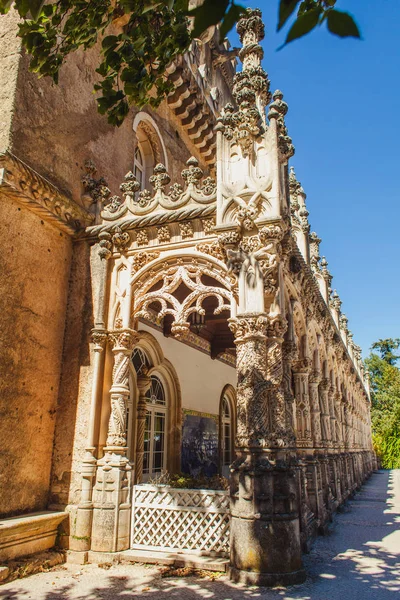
{"points": [[358, 560]]}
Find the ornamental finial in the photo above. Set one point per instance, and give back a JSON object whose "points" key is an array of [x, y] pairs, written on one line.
{"points": [[250, 87], [277, 110]]}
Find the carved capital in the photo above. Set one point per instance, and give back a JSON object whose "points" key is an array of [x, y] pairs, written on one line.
{"points": [[314, 378], [303, 365], [123, 340], [99, 339], [247, 327], [277, 326], [325, 384], [229, 239]]}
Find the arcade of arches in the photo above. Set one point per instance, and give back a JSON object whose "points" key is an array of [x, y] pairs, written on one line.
{"points": [[202, 333]]}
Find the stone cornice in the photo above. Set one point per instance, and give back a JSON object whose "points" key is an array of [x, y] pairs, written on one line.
{"points": [[159, 218], [26, 186]]}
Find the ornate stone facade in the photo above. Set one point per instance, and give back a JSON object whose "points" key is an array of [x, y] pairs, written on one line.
{"points": [[207, 268]]}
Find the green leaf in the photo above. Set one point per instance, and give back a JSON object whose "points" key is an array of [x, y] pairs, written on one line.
{"points": [[231, 17], [342, 24], [35, 8], [208, 14], [303, 24], [5, 6], [109, 42], [286, 9]]}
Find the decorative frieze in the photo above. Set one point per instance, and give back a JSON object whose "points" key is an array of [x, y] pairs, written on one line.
{"points": [[25, 186]]}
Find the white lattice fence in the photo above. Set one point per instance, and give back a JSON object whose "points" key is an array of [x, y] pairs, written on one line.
{"points": [[183, 520]]}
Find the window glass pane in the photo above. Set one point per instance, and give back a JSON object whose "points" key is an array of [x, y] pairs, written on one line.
{"points": [[225, 408], [139, 360], [139, 175], [138, 157], [156, 393], [159, 425], [158, 461], [146, 466]]}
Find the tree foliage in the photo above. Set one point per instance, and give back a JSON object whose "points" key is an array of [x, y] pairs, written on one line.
{"points": [[385, 395], [133, 63]]}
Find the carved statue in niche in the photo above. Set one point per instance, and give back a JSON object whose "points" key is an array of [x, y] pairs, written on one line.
{"points": [[250, 279]]}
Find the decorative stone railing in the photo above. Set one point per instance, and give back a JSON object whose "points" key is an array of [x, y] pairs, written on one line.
{"points": [[180, 520]]}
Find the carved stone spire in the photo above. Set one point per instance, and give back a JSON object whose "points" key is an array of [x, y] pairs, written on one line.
{"points": [[336, 301], [250, 86], [314, 251], [277, 110], [325, 272], [294, 190]]}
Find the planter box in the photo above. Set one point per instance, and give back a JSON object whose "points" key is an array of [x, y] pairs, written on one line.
{"points": [[28, 534], [180, 520]]}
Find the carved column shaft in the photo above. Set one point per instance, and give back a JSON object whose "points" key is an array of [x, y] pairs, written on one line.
{"points": [[289, 353], [253, 410], [111, 497], [303, 416], [265, 480], [313, 384], [325, 415], [331, 403], [143, 383], [123, 342]]}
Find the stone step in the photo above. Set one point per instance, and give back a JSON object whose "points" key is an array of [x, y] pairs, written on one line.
{"points": [[171, 559]]}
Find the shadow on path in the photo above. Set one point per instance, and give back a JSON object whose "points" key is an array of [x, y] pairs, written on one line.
{"points": [[359, 559]]}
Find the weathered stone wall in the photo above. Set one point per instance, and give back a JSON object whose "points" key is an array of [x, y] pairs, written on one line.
{"points": [[9, 61], [75, 386], [34, 268], [56, 128]]}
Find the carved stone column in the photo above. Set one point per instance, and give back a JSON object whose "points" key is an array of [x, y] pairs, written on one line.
{"points": [[331, 401], [315, 490], [143, 384], [303, 414], [313, 383], [81, 538], [111, 498], [265, 532], [289, 354], [325, 415], [333, 444]]}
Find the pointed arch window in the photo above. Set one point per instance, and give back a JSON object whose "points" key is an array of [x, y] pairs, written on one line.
{"points": [[155, 442], [154, 460], [140, 166], [227, 429], [226, 432]]}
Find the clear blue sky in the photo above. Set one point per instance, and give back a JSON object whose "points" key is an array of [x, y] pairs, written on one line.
{"points": [[344, 119]]}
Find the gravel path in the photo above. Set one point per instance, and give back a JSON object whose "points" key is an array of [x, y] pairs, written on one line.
{"points": [[358, 560]]}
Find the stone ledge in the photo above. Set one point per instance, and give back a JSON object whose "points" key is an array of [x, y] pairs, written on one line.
{"points": [[28, 534], [170, 559], [26, 186]]}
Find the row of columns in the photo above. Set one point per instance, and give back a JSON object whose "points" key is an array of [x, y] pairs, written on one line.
{"points": [[324, 417]]}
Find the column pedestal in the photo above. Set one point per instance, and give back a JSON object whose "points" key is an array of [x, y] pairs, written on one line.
{"points": [[265, 530], [112, 503]]}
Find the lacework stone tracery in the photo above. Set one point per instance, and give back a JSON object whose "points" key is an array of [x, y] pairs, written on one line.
{"points": [[172, 277]]}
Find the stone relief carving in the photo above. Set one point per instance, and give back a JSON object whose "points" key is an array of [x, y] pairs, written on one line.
{"points": [[173, 276], [27, 187], [122, 343], [135, 202]]}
